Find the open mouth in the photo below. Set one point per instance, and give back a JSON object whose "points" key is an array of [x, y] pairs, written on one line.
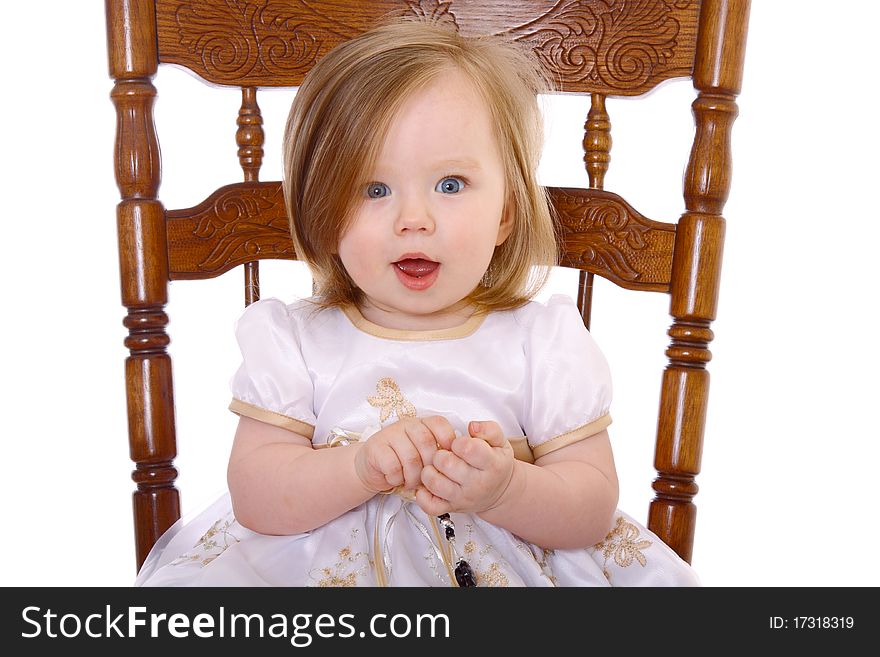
{"points": [[416, 273], [417, 267]]}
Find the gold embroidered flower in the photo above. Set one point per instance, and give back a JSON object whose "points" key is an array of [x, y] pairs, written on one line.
{"points": [[332, 580], [545, 566], [494, 576], [211, 545], [347, 570], [623, 545], [391, 401]]}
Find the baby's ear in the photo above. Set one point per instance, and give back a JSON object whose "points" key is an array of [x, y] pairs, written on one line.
{"points": [[505, 228]]}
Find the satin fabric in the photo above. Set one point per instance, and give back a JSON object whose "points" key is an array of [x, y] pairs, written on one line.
{"points": [[212, 549], [534, 370]]}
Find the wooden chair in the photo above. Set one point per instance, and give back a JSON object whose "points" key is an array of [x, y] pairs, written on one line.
{"points": [[602, 47]]}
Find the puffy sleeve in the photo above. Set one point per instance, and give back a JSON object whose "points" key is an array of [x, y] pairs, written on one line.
{"points": [[568, 383], [272, 383]]}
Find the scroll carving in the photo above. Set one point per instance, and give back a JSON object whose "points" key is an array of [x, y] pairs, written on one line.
{"points": [[602, 234], [615, 47], [236, 224], [235, 41], [436, 11], [238, 40], [610, 46], [243, 222]]}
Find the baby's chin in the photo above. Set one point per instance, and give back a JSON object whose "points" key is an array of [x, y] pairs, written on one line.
{"points": [[420, 314]]}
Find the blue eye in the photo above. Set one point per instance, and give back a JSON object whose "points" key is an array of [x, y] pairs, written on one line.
{"points": [[450, 185], [378, 190]]}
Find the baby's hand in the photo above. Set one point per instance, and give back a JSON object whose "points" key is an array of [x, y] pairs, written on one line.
{"points": [[467, 473], [395, 455]]}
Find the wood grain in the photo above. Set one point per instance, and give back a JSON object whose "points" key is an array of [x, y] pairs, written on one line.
{"points": [[143, 269], [603, 47], [615, 47]]}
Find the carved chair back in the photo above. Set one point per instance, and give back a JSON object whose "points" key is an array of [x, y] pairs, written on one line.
{"points": [[601, 47]]}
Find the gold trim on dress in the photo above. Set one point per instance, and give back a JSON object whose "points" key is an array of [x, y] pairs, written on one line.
{"points": [[378, 555], [361, 323], [566, 439], [271, 417], [521, 449]]}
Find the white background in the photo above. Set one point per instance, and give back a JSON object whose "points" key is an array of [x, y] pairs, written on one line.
{"points": [[787, 494]]}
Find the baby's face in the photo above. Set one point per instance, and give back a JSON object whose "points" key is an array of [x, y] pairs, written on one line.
{"points": [[423, 236]]}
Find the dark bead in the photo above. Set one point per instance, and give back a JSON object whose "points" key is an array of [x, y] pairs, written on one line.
{"points": [[450, 533], [464, 575]]}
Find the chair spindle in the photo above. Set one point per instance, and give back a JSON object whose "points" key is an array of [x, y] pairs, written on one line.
{"points": [[597, 156], [693, 299], [143, 269], [597, 141], [250, 138]]}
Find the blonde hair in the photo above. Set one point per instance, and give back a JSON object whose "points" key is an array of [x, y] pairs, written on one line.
{"points": [[338, 122]]}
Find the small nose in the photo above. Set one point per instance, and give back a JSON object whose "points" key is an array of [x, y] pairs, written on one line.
{"points": [[413, 215]]}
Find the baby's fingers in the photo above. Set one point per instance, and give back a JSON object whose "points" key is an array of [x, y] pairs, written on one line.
{"points": [[438, 484], [430, 503], [408, 460], [488, 430], [441, 430], [422, 438], [385, 460]]}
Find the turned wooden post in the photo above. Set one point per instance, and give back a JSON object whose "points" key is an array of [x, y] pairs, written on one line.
{"points": [[696, 269], [597, 157], [250, 138], [143, 268]]}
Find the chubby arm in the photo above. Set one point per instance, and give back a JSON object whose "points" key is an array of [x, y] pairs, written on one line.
{"points": [[564, 500], [279, 484]]}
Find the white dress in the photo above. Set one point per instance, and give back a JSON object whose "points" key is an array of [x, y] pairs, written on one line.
{"points": [[331, 373]]}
